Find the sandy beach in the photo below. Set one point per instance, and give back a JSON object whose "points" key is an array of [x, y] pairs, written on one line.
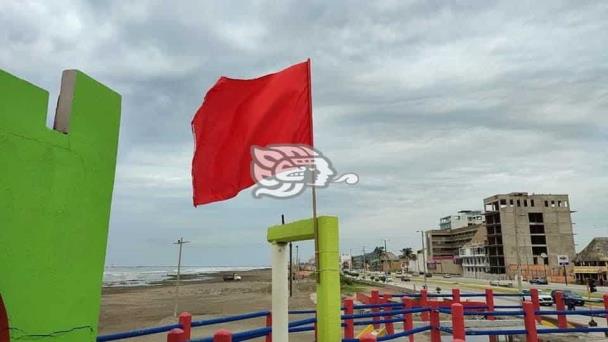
{"points": [[127, 308]]}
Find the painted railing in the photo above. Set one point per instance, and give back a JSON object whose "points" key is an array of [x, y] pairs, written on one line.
{"points": [[381, 309]]}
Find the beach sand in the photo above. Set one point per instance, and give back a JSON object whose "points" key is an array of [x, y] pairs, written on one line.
{"points": [[128, 308]]}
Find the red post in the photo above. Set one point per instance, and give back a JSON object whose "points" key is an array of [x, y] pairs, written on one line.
{"points": [[185, 319], [490, 303], [390, 329], [222, 335], [530, 322], [458, 322], [349, 327], [269, 325], [606, 306], [176, 335], [408, 322], [455, 295], [562, 321], [368, 338], [375, 300], [424, 304], [535, 302], [435, 332]]}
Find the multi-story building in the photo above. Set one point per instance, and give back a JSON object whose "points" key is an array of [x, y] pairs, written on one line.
{"points": [[527, 233], [462, 219], [473, 256], [444, 245]]}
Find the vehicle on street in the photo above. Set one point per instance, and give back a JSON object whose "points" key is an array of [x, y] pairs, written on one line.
{"points": [[539, 281], [447, 276], [543, 298], [405, 277], [502, 283], [569, 297]]}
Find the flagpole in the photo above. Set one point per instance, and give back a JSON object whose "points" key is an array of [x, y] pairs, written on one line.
{"points": [[314, 188]]}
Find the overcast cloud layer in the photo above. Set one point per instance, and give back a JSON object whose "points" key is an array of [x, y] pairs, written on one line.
{"points": [[435, 104]]}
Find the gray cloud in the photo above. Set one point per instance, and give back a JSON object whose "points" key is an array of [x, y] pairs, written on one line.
{"points": [[435, 104]]}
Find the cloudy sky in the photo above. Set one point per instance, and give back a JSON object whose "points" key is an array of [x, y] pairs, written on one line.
{"points": [[435, 104]]}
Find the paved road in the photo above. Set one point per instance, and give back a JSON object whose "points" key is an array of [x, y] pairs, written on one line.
{"points": [[475, 286]]}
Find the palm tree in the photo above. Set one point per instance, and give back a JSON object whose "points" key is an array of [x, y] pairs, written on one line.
{"points": [[408, 254]]}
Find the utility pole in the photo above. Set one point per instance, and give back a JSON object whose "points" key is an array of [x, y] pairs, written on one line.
{"points": [[423, 256], [519, 284], [364, 270], [179, 242], [385, 257]]}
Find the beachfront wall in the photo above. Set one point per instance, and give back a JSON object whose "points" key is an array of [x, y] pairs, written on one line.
{"points": [[55, 195]]}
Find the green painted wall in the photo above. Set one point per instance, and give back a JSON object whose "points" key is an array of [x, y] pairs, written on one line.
{"points": [[328, 289], [55, 196]]}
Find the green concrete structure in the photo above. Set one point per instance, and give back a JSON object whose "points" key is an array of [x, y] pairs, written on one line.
{"points": [[328, 288], [55, 196]]}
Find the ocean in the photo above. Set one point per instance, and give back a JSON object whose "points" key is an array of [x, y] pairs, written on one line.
{"points": [[151, 275]]}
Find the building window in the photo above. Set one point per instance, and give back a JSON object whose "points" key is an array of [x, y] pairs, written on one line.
{"points": [[546, 203], [537, 229], [525, 203], [518, 203], [531, 202], [511, 202], [535, 217], [538, 239]]}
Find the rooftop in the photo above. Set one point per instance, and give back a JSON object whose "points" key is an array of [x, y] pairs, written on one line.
{"points": [[596, 250]]}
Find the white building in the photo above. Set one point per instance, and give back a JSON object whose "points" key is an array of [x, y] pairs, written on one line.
{"points": [[346, 261], [417, 266], [463, 218], [474, 260]]}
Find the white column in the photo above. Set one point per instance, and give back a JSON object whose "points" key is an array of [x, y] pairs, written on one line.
{"points": [[280, 293]]}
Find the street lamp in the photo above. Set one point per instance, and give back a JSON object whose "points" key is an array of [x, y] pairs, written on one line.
{"points": [[423, 255], [544, 256]]}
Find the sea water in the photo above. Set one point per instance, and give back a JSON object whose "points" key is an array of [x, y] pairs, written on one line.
{"points": [[150, 275]]}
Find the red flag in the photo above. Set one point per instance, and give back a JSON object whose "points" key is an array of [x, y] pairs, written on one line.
{"points": [[237, 114]]}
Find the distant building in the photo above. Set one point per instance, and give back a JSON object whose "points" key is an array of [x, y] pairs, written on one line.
{"points": [[592, 262], [346, 261], [529, 232], [416, 264], [444, 246], [377, 260], [463, 218], [473, 256]]}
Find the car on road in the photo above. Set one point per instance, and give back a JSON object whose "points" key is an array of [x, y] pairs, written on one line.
{"points": [[405, 277], [447, 276], [543, 299], [569, 296], [538, 281], [502, 283]]}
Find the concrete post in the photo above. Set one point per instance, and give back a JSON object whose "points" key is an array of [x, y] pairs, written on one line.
{"points": [[280, 292]]}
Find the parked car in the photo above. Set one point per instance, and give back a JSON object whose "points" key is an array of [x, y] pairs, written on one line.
{"points": [[503, 283], [543, 299], [405, 277], [538, 281], [232, 277], [447, 276], [569, 296]]}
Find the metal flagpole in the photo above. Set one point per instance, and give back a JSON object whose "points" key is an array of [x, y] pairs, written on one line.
{"points": [[314, 189]]}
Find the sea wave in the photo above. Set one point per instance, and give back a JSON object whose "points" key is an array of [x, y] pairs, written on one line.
{"points": [[114, 276]]}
